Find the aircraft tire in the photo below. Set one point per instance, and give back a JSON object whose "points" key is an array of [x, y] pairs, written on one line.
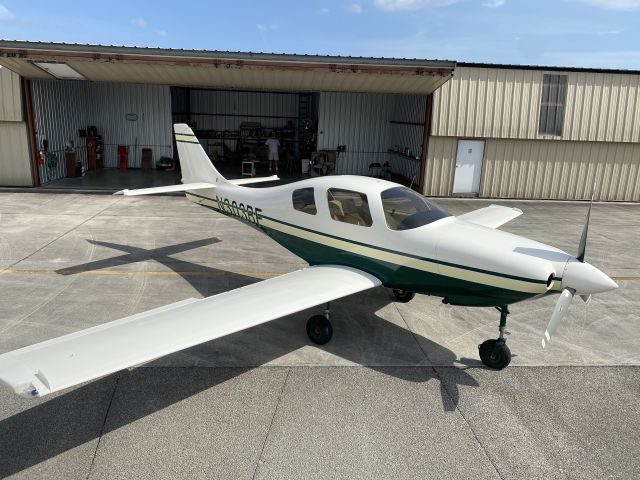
{"points": [[319, 330], [403, 296], [495, 356]]}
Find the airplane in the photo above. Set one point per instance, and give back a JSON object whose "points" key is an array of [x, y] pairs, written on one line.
{"points": [[356, 233]]}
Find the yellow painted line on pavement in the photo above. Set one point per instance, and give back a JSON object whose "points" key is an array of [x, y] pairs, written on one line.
{"points": [[13, 271]]}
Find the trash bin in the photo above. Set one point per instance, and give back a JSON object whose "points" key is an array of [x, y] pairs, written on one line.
{"points": [[305, 166], [147, 159]]}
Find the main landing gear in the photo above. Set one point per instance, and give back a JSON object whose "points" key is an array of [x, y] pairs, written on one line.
{"points": [[403, 296], [495, 353], [319, 327]]}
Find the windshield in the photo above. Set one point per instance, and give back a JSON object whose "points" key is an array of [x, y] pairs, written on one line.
{"points": [[405, 209]]}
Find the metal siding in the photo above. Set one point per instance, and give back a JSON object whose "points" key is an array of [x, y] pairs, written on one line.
{"points": [[15, 168], [560, 170], [410, 110], [62, 108], [441, 159], [505, 103], [361, 122], [10, 96]]}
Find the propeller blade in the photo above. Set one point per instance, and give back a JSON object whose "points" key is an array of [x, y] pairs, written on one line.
{"points": [[583, 239], [559, 313]]}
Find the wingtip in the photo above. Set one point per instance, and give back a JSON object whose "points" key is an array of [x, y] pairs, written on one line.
{"points": [[121, 192]]}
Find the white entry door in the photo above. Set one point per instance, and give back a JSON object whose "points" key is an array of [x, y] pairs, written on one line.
{"points": [[468, 166]]}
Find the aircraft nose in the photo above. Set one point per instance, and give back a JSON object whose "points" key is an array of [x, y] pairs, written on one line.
{"points": [[586, 279]]}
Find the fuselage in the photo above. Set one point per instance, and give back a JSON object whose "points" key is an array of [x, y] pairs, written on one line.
{"points": [[465, 263]]}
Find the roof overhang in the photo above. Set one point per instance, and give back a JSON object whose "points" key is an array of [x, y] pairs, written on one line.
{"points": [[228, 70]]}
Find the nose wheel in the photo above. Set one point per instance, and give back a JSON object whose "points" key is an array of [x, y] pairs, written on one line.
{"points": [[495, 353], [319, 328]]}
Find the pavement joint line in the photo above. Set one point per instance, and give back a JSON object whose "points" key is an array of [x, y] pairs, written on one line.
{"points": [[104, 423], [457, 408], [60, 236], [275, 411]]}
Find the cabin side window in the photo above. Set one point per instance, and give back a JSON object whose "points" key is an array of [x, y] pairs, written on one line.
{"points": [[304, 200], [349, 207]]}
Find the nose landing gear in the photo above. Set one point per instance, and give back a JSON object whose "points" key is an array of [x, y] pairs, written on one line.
{"points": [[495, 353]]}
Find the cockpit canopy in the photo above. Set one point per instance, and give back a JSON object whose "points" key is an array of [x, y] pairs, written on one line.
{"points": [[404, 209]]}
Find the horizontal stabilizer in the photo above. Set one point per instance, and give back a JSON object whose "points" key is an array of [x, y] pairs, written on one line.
{"points": [[66, 361], [492, 216], [183, 187], [247, 181]]}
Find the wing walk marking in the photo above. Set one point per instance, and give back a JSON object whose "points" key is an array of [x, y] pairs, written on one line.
{"points": [[408, 260]]}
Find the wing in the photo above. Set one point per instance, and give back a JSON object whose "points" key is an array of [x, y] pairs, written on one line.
{"points": [[492, 216], [183, 187], [247, 181], [65, 361]]}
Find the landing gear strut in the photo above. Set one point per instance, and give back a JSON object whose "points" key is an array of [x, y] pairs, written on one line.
{"points": [[319, 327], [495, 353]]}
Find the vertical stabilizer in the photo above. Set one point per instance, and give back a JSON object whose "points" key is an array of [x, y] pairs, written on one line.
{"points": [[194, 162]]}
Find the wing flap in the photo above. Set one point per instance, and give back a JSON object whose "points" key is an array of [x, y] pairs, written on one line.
{"points": [[183, 187], [492, 216], [65, 361]]}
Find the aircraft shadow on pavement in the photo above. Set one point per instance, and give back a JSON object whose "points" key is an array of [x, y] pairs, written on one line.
{"points": [[71, 419]]}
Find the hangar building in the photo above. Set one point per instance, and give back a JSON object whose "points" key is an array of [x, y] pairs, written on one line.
{"points": [[444, 129]]}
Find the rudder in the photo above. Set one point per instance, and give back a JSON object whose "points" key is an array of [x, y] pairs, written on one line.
{"points": [[194, 161]]}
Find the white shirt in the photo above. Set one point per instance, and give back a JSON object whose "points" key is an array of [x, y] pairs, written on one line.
{"points": [[273, 144]]}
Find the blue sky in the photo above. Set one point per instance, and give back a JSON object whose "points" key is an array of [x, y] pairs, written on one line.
{"points": [[580, 33]]}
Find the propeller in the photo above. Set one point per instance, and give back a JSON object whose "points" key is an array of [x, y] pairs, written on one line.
{"points": [[580, 277]]}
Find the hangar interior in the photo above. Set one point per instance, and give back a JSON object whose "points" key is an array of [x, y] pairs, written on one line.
{"points": [[360, 133]]}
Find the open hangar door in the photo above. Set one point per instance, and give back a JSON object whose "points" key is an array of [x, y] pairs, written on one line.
{"points": [[108, 129]]}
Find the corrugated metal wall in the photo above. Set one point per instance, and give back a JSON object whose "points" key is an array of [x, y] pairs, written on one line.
{"points": [[361, 122], [505, 103], [15, 162], [10, 96], [371, 126], [15, 167], [440, 166], [561, 170], [407, 134], [62, 108], [542, 170]]}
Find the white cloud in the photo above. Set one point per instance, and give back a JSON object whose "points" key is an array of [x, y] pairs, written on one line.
{"points": [[355, 8], [162, 33], [267, 28], [324, 11], [5, 13], [493, 3], [139, 22], [615, 4], [411, 4]]}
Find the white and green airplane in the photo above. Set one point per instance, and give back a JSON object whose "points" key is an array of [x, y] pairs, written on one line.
{"points": [[356, 233]]}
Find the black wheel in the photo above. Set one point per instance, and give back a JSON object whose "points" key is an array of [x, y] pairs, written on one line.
{"points": [[403, 296], [495, 354], [319, 330]]}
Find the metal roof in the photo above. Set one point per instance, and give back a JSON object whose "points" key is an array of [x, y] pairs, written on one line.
{"points": [[546, 68], [223, 69]]}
